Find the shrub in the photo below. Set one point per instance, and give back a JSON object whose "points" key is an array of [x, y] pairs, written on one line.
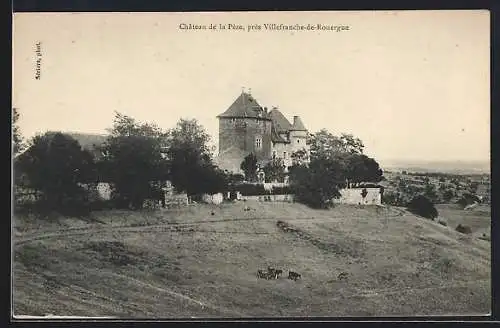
{"points": [[391, 198], [464, 229], [443, 223], [421, 205], [468, 199], [317, 184], [282, 190]]}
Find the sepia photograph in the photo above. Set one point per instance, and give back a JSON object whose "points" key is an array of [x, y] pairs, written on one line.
{"points": [[202, 165]]}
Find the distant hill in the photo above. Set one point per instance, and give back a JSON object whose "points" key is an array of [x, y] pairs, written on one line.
{"points": [[453, 167]]}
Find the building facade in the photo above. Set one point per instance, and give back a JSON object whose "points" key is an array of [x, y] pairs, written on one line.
{"points": [[247, 127]]}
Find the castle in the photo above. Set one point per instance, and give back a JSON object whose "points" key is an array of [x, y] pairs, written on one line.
{"points": [[246, 127]]}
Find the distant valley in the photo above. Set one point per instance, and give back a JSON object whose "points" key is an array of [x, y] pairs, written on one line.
{"points": [[453, 167]]}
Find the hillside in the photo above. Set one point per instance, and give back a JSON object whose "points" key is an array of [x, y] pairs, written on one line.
{"points": [[190, 263]]}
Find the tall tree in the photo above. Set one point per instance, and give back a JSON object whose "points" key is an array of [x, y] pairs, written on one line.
{"points": [[317, 184], [249, 167], [361, 168], [133, 161], [275, 170], [300, 157], [17, 138], [347, 151], [324, 143], [54, 165], [189, 133], [191, 166]]}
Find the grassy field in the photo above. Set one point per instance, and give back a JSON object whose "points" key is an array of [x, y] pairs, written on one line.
{"points": [[188, 263]]}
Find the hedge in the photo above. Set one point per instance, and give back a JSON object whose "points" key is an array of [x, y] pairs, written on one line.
{"points": [[249, 189]]}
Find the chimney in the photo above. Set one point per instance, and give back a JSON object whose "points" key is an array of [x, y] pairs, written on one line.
{"points": [[265, 110], [295, 118]]}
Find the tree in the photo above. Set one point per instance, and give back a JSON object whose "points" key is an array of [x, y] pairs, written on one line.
{"points": [[189, 133], [194, 173], [317, 184], [189, 154], [275, 170], [448, 195], [54, 165], [17, 138], [300, 157], [473, 186], [249, 167], [468, 199], [324, 143], [351, 144], [430, 192], [421, 205], [133, 161], [347, 151], [361, 168]]}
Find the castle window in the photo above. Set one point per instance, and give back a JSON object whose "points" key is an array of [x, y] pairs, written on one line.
{"points": [[298, 141], [258, 142], [233, 120], [284, 155], [274, 154]]}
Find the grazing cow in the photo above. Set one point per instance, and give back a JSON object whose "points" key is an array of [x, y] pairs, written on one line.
{"points": [[294, 275], [342, 276], [263, 274], [275, 273]]}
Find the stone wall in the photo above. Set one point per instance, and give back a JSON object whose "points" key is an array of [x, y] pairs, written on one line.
{"points": [[354, 196], [270, 198], [213, 199], [176, 200]]}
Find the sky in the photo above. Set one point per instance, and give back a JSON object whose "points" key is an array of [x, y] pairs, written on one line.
{"points": [[412, 85]]}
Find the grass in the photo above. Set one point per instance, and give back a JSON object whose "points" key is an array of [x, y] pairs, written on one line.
{"points": [[187, 263]]}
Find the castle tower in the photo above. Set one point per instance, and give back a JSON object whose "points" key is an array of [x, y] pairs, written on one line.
{"points": [[244, 128], [298, 135]]}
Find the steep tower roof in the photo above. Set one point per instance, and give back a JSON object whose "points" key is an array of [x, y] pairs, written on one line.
{"points": [[297, 124], [280, 122], [245, 106], [275, 137]]}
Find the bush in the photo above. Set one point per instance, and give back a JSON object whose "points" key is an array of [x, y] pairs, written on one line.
{"points": [[53, 168], [317, 184], [282, 190], [468, 199], [443, 223], [421, 205], [464, 229]]}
